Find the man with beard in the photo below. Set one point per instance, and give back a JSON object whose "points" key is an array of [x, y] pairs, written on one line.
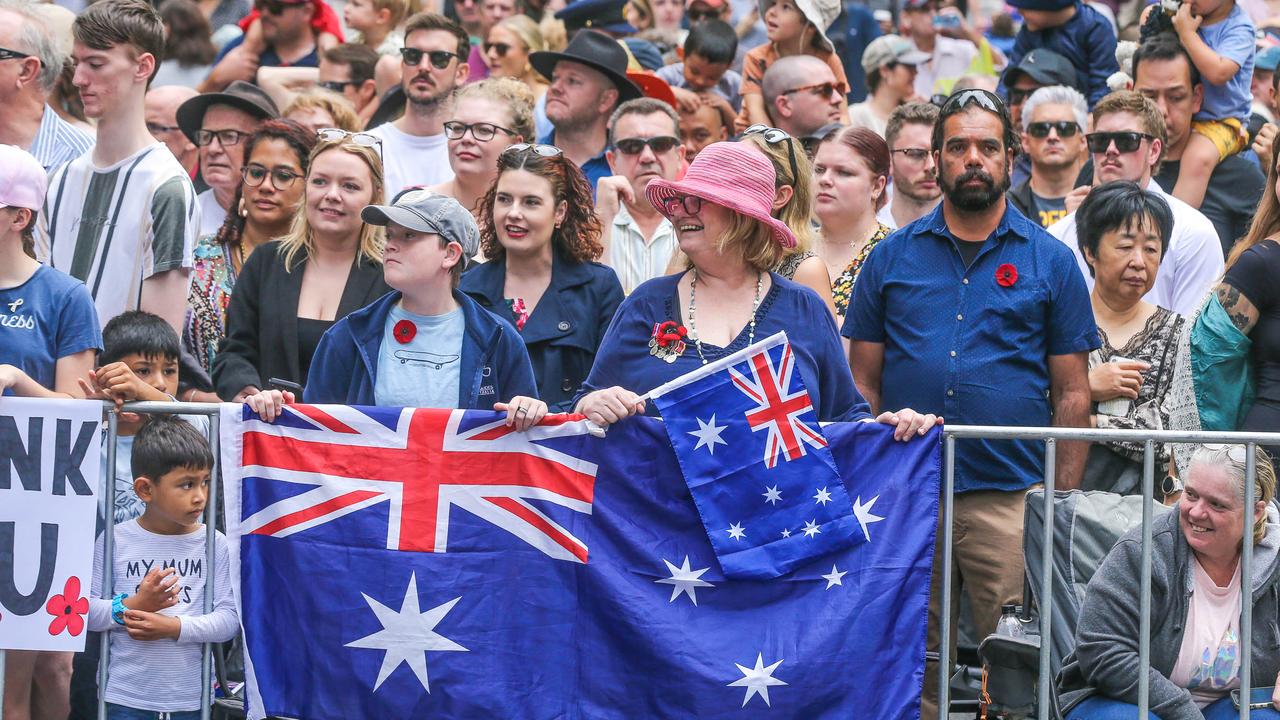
{"points": [[290, 41], [1127, 141], [915, 175], [1053, 124], [433, 62], [974, 313], [588, 80], [645, 145]]}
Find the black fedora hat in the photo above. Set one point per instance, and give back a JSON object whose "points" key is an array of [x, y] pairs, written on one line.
{"points": [[240, 95], [598, 52]]}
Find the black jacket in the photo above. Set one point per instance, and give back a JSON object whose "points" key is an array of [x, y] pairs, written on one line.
{"points": [[262, 320]]}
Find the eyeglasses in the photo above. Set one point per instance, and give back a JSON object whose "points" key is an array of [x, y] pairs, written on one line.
{"points": [[1065, 128], [1017, 97], [773, 136], [499, 49], [439, 59], [697, 16], [481, 131], [635, 146], [337, 86], [7, 54], [535, 148], [985, 100], [913, 154], [362, 139], [826, 89], [691, 204], [227, 138], [158, 129], [255, 174], [1126, 142]]}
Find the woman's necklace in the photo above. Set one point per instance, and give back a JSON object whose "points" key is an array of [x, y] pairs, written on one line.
{"points": [[693, 312]]}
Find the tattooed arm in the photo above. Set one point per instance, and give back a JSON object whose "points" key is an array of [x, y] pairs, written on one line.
{"points": [[1243, 313]]}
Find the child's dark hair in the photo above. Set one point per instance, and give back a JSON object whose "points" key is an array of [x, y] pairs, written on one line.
{"points": [[166, 443], [138, 333], [712, 40]]}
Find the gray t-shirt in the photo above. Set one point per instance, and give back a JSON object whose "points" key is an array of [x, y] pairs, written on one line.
{"points": [[423, 372]]}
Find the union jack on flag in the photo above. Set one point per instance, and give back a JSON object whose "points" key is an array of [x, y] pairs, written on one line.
{"points": [[779, 404], [416, 467]]}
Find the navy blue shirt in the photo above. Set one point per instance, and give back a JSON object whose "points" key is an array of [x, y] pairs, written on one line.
{"points": [[959, 344], [594, 169], [46, 318], [269, 58], [624, 360]]}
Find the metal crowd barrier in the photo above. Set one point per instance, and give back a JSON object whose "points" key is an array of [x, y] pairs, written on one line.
{"points": [[1050, 436]]}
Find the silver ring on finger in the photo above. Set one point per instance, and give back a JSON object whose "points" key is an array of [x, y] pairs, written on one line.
{"points": [[521, 409]]}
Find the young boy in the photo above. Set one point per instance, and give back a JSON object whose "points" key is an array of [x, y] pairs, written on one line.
{"points": [[1074, 30], [427, 344], [156, 613], [708, 52], [793, 29], [376, 22]]}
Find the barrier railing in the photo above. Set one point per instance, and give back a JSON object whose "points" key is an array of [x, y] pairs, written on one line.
{"points": [[1050, 436]]}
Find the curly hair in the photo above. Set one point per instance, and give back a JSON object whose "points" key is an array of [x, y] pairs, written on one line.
{"points": [[578, 237], [299, 139]]}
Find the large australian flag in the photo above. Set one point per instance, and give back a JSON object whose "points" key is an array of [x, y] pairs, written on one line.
{"points": [[397, 563]]}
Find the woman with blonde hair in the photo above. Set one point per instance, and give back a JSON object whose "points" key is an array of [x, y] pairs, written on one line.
{"points": [[293, 289], [488, 117], [507, 48]]}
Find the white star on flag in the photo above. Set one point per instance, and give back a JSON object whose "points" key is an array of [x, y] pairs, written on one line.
{"points": [[811, 528], [823, 497], [833, 577], [408, 635], [757, 680], [708, 434], [684, 580], [864, 515], [771, 495], [786, 532], [736, 531]]}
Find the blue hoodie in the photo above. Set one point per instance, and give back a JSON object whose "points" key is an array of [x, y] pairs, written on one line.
{"points": [[495, 364], [1087, 40]]}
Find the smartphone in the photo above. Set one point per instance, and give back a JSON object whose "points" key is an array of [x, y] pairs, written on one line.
{"points": [[278, 384], [1255, 705], [948, 21]]}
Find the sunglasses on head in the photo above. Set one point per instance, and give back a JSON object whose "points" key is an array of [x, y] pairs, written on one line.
{"points": [[826, 89], [439, 59], [357, 138], [964, 98], [1126, 142], [773, 136], [481, 131], [1236, 453], [536, 148], [635, 146], [690, 204], [1065, 128], [499, 49]]}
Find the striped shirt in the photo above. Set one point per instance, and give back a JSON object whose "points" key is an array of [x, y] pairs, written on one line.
{"points": [[636, 258], [58, 141], [114, 227]]}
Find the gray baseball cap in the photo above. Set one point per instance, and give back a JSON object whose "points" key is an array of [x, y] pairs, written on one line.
{"points": [[430, 212]]}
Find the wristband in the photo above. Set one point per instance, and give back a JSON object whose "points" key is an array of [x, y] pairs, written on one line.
{"points": [[117, 608]]}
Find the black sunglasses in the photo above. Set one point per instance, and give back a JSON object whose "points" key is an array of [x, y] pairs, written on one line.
{"points": [[337, 86], [7, 54], [1126, 142], [499, 49], [697, 16], [275, 7], [536, 148], [826, 89], [439, 59], [1065, 128], [964, 98], [773, 136], [481, 131], [635, 146]]}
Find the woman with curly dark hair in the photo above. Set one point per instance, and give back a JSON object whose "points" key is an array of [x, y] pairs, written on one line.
{"points": [[539, 229]]}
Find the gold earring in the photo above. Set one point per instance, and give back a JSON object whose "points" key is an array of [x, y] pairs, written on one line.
{"points": [[243, 211]]}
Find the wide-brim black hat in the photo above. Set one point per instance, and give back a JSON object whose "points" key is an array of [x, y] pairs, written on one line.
{"points": [[598, 52], [240, 95]]}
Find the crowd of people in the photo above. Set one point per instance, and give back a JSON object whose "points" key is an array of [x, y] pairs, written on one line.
{"points": [[1040, 217]]}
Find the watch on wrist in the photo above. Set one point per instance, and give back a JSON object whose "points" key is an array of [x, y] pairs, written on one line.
{"points": [[1170, 485]]}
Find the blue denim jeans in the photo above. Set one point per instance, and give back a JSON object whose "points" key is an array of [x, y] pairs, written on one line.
{"points": [[1101, 708], [120, 712]]}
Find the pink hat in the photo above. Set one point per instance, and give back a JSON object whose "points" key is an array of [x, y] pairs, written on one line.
{"points": [[731, 174], [22, 179]]}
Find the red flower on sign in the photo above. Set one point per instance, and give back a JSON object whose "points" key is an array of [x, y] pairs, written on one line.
{"points": [[1006, 275], [404, 331], [668, 333], [68, 609]]}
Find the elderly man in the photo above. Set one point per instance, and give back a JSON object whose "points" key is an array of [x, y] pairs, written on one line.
{"points": [[290, 42], [801, 95], [30, 68], [1164, 73], [644, 145], [1000, 335], [1053, 124], [588, 81], [161, 113], [219, 123], [1127, 142], [911, 162]]}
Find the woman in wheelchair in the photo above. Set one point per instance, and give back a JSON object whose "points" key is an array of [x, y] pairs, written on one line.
{"points": [[1195, 605]]}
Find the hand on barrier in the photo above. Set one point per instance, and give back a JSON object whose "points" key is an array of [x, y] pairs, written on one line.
{"points": [[522, 412], [269, 403], [908, 423], [157, 591]]}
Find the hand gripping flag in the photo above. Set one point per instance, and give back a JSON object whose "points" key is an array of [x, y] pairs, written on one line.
{"points": [[756, 461]]}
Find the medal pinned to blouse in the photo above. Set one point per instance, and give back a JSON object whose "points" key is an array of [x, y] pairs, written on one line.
{"points": [[667, 342]]}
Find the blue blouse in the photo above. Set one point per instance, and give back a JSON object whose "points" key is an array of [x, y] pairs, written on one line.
{"points": [[46, 318], [624, 360]]}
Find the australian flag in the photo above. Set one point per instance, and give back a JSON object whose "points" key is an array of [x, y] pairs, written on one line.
{"points": [[395, 563]]}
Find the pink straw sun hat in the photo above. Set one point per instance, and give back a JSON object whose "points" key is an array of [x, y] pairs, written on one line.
{"points": [[733, 175]]}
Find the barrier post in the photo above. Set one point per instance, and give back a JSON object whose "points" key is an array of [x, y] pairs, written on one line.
{"points": [[210, 560], [1246, 582], [1144, 593], [1045, 683], [944, 645], [1, 683], [108, 554]]}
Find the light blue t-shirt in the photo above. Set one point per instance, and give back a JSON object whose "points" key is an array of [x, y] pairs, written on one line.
{"points": [[46, 318], [423, 372], [1233, 39]]}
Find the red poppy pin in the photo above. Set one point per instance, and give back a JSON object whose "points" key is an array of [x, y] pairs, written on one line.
{"points": [[404, 331], [68, 609], [1006, 275], [667, 341]]}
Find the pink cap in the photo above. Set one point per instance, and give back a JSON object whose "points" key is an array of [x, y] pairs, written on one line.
{"points": [[22, 179]]}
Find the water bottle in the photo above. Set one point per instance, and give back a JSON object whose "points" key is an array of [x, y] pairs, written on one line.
{"points": [[1010, 626]]}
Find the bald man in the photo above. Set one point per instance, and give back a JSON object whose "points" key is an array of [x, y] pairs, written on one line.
{"points": [[801, 95], [161, 112]]}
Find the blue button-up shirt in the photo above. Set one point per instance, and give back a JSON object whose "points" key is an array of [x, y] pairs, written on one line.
{"points": [[959, 344], [594, 169]]}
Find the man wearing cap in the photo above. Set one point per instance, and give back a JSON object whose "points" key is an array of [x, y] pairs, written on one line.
{"points": [[949, 41], [219, 123], [588, 80], [1262, 87], [890, 63], [30, 69], [1039, 68], [801, 95], [433, 64], [1077, 32], [290, 42]]}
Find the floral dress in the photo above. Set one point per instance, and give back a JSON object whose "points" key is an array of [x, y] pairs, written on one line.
{"points": [[842, 287], [212, 279]]}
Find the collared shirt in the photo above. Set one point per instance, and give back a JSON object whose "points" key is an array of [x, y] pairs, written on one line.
{"points": [[594, 169], [1189, 267], [58, 141], [950, 59], [633, 256], [960, 344]]}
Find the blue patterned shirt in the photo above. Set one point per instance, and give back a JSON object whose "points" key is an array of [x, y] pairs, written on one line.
{"points": [[58, 141]]}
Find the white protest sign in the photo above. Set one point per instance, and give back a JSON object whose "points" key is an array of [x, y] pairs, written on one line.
{"points": [[50, 460]]}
